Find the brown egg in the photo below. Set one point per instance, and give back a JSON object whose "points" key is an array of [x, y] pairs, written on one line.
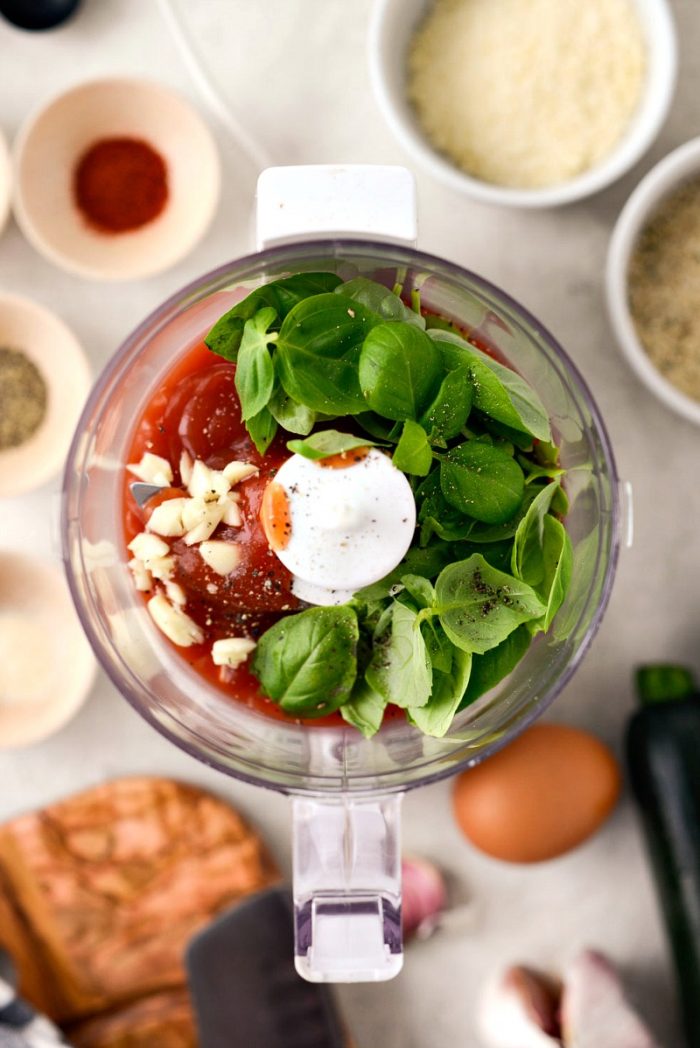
{"points": [[539, 797]]}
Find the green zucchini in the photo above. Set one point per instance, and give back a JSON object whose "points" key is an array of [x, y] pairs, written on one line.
{"points": [[663, 756]]}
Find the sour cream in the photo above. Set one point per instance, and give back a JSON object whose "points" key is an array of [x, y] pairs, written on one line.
{"points": [[340, 524]]}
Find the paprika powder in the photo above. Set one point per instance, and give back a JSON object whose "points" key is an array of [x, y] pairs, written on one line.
{"points": [[120, 184]]}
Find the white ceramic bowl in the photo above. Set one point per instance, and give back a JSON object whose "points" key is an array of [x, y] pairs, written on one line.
{"points": [[45, 676], [675, 168], [5, 183], [45, 340], [392, 26], [52, 141]]}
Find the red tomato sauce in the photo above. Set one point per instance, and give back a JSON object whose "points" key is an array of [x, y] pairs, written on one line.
{"points": [[196, 409]]}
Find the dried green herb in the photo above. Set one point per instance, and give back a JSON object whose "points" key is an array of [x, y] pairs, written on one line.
{"points": [[23, 398]]}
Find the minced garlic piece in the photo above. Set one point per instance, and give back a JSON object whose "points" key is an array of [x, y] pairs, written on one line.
{"points": [[235, 472], [231, 651], [174, 623], [152, 469], [221, 557], [527, 93], [166, 519], [148, 547]]}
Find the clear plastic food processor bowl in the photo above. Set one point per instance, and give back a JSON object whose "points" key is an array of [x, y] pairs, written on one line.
{"points": [[346, 790]]}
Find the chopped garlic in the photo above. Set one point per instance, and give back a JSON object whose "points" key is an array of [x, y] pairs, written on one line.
{"points": [[235, 472], [193, 512], [143, 580], [232, 514], [175, 592], [231, 651], [213, 515], [185, 468], [147, 547], [161, 567], [174, 623], [166, 519], [222, 557], [205, 483], [152, 469]]}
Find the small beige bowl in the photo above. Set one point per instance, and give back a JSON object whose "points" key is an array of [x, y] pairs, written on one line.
{"points": [[51, 143], [5, 183], [46, 664], [680, 166], [41, 336], [392, 26]]}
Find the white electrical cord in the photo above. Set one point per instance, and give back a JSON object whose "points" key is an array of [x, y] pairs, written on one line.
{"points": [[258, 156]]}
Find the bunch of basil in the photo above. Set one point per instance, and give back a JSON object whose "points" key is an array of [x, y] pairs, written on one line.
{"points": [[491, 561]]}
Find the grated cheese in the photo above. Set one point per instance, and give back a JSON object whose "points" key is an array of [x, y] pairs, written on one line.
{"points": [[527, 93]]}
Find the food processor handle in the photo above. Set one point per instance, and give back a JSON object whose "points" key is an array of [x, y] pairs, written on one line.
{"points": [[307, 202], [347, 888]]}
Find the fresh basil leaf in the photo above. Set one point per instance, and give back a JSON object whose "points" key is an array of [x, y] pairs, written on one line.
{"points": [[292, 416], [426, 562], [255, 372], [479, 606], [440, 648], [378, 427], [364, 709], [420, 589], [437, 516], [413, 452], [436, 716], [522, 441], [533, 473], [491, 667], [483, 534], [225, 337], [327, 442], [499, 391], [527, 561], [318, 352], [559, 566], [262, 429], [483, 482], [307, 662], [399, 369], [448, 413], [400, 668], [386, 304]]}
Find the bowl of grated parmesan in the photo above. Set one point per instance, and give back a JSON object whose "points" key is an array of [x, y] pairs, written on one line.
{"points": [[653, 280], [524, 103]]}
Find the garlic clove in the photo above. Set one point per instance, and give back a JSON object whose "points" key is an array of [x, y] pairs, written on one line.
{"points": [[424, 896], [152, 469], [231, 651], [166, 519], [519, 1010], [594, 1011]]}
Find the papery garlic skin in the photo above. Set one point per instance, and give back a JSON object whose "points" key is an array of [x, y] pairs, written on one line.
{"points": [[517, 1010], [594, 1011], [424, 896]]}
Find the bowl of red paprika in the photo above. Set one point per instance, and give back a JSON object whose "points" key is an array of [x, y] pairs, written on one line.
{"points": [[115, 179]]}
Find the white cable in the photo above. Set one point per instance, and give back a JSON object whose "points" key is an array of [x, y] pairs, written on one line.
{"points": [[257, 155]]}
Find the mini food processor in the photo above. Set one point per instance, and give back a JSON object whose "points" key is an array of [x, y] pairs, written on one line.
{"points": [[346, 790]]}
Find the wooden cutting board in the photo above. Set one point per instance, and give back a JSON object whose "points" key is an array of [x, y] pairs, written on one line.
{"points": [[100, 894]]}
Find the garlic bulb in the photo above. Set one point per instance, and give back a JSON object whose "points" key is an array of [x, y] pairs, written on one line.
{"points": [[594, 1010], [519, 1010], [424, 896]]}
